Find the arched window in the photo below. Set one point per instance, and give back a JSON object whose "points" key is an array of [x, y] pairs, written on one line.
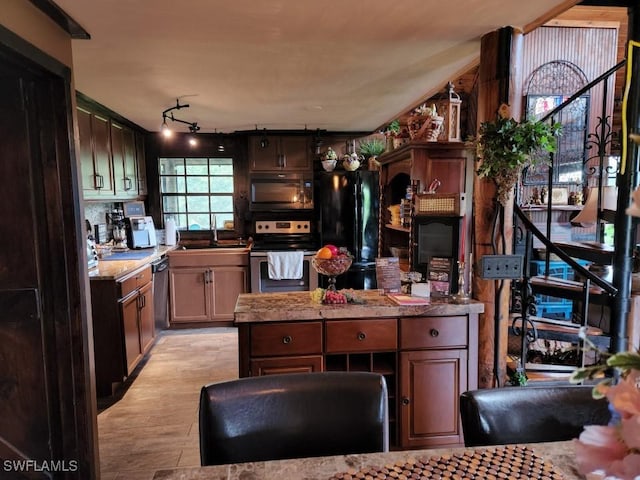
{"points": [[549, 86]]}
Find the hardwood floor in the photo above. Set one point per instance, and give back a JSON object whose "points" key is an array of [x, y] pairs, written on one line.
{"points": [[154, 424]]}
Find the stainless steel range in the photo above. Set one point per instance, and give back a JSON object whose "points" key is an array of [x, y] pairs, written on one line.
{"points": [[282, 236]]}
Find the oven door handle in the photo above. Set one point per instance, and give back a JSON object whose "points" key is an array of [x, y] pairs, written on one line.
{"points": [[263, 254]]}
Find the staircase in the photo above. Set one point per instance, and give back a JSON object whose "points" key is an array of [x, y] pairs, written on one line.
{"points": [[582, 291], [581, 288]]}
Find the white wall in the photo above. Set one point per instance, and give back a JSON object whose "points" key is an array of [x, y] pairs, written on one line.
{"points": [[25, 20]]}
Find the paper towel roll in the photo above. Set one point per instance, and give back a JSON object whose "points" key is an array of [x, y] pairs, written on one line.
{"points": [[170, 232]]}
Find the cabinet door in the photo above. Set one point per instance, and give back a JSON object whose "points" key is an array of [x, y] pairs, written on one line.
{"points": [[264, 158], [145, 303], [430, 386], [90, 181], [296, 153], [228, 283], [291, 153], [102, 155], [95, 155], [450, 171], [189, 289], [124, 161], [278, 365], [141, 164], [129, 309]]}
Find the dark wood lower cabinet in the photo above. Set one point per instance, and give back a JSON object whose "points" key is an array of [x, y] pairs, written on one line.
{"points": [[123, 329], [427, 362], [431, 384]]}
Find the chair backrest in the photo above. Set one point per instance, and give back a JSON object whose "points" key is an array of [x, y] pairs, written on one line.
{"points": [[293, 415], [529, 414]]}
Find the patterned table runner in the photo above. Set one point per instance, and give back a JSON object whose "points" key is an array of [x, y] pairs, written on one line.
{"points": [[509, 462]]}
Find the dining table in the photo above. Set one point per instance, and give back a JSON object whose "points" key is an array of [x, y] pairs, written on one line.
{"points": [[545, 461]]}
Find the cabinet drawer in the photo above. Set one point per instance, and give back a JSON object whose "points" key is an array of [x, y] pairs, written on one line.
{"points": [[137, 280], [361, 335], [286, 339], [433, 332]]}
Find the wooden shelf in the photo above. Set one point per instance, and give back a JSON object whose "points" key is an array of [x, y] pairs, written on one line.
{"points": [[555, 208], [398, 228]]}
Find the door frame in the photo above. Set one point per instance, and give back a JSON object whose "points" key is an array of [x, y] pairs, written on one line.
{"points": [[60, 252]]}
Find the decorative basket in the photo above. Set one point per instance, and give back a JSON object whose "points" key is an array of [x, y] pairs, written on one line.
{"points": [[422, 127]]}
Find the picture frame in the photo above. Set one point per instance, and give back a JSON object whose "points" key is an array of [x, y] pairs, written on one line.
{"points": [[560, 196]]}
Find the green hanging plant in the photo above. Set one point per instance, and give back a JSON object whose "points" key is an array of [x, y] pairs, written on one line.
{"points": [[505, 147]]}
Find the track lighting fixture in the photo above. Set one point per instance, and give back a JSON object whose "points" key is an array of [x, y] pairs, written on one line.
{"points": [[168, 114], [264, 141], [317, 143]]}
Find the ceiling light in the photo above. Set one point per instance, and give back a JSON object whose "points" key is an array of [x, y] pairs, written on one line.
{"points": [[166, 131]]}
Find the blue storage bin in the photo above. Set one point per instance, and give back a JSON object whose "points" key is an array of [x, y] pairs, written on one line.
{"points": [[548, 306]]}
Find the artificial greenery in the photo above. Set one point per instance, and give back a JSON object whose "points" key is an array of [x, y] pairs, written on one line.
{"points": [[371, 147], [505, 147], [393, 129]]}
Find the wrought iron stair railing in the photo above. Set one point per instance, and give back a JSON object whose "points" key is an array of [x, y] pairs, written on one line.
{"points": [[591, 288]]}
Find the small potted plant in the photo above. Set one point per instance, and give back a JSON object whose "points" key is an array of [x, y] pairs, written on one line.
{"points": [[390, 132], [370, 148], [505, 147], [329, 160]]}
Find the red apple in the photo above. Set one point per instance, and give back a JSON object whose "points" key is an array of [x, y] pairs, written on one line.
{"points": [[333, 248]]}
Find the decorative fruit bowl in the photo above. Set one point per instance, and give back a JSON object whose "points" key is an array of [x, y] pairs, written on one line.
{"points": [[332, 267]]}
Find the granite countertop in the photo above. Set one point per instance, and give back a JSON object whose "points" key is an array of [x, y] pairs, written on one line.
{"points": [[267, 307], [560, 455], [111, 270]]}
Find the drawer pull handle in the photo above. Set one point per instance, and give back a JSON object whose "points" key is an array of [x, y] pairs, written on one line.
{"points": [[362, 336], [405, 401], [433, 332], [287, 339]]}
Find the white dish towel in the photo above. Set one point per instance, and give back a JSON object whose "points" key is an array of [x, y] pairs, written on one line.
{"points": [[285, 265]]}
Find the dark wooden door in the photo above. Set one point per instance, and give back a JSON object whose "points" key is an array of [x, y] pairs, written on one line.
{"points": [[430, 386], [46, 404]]}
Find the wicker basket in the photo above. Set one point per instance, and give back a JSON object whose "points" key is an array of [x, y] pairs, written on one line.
{"points": [[425, 128]]}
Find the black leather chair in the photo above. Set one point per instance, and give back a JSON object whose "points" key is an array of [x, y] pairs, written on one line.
{"points": [[293, 415], [529, 414]]}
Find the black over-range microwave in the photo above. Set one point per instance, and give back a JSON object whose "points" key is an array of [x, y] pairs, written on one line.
{"points": [[281, 191]]}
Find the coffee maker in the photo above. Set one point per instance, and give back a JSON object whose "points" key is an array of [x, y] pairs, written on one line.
{"points": [[115, 220]]}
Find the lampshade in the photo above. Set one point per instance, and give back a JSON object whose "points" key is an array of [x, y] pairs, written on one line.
{"points": [[589, 213]]}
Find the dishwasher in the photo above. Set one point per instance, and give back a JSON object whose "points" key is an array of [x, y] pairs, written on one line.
{"points": [[160, 270]]}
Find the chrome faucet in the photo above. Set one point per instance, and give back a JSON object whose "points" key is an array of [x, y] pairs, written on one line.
{"points": [[214, 230]]}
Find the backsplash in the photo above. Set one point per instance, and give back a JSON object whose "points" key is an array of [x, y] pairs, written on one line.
{"points": [[97, 212]]}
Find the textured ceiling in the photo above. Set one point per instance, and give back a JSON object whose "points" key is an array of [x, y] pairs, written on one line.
{"points": [[339, 65]]}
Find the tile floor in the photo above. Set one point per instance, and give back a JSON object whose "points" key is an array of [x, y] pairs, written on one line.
{"points": [[154, 424]]}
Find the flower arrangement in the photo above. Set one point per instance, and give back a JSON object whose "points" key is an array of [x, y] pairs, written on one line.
{"points": [[506, 147], [613, 451]]}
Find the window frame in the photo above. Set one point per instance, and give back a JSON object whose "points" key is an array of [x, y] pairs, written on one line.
{"points": [[182, 212]]}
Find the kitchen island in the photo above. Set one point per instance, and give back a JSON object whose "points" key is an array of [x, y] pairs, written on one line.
{"points": [[554, 459], [427, 353]]}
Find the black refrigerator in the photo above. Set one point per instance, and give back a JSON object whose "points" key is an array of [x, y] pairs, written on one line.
{"points": [[347, 207]]}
